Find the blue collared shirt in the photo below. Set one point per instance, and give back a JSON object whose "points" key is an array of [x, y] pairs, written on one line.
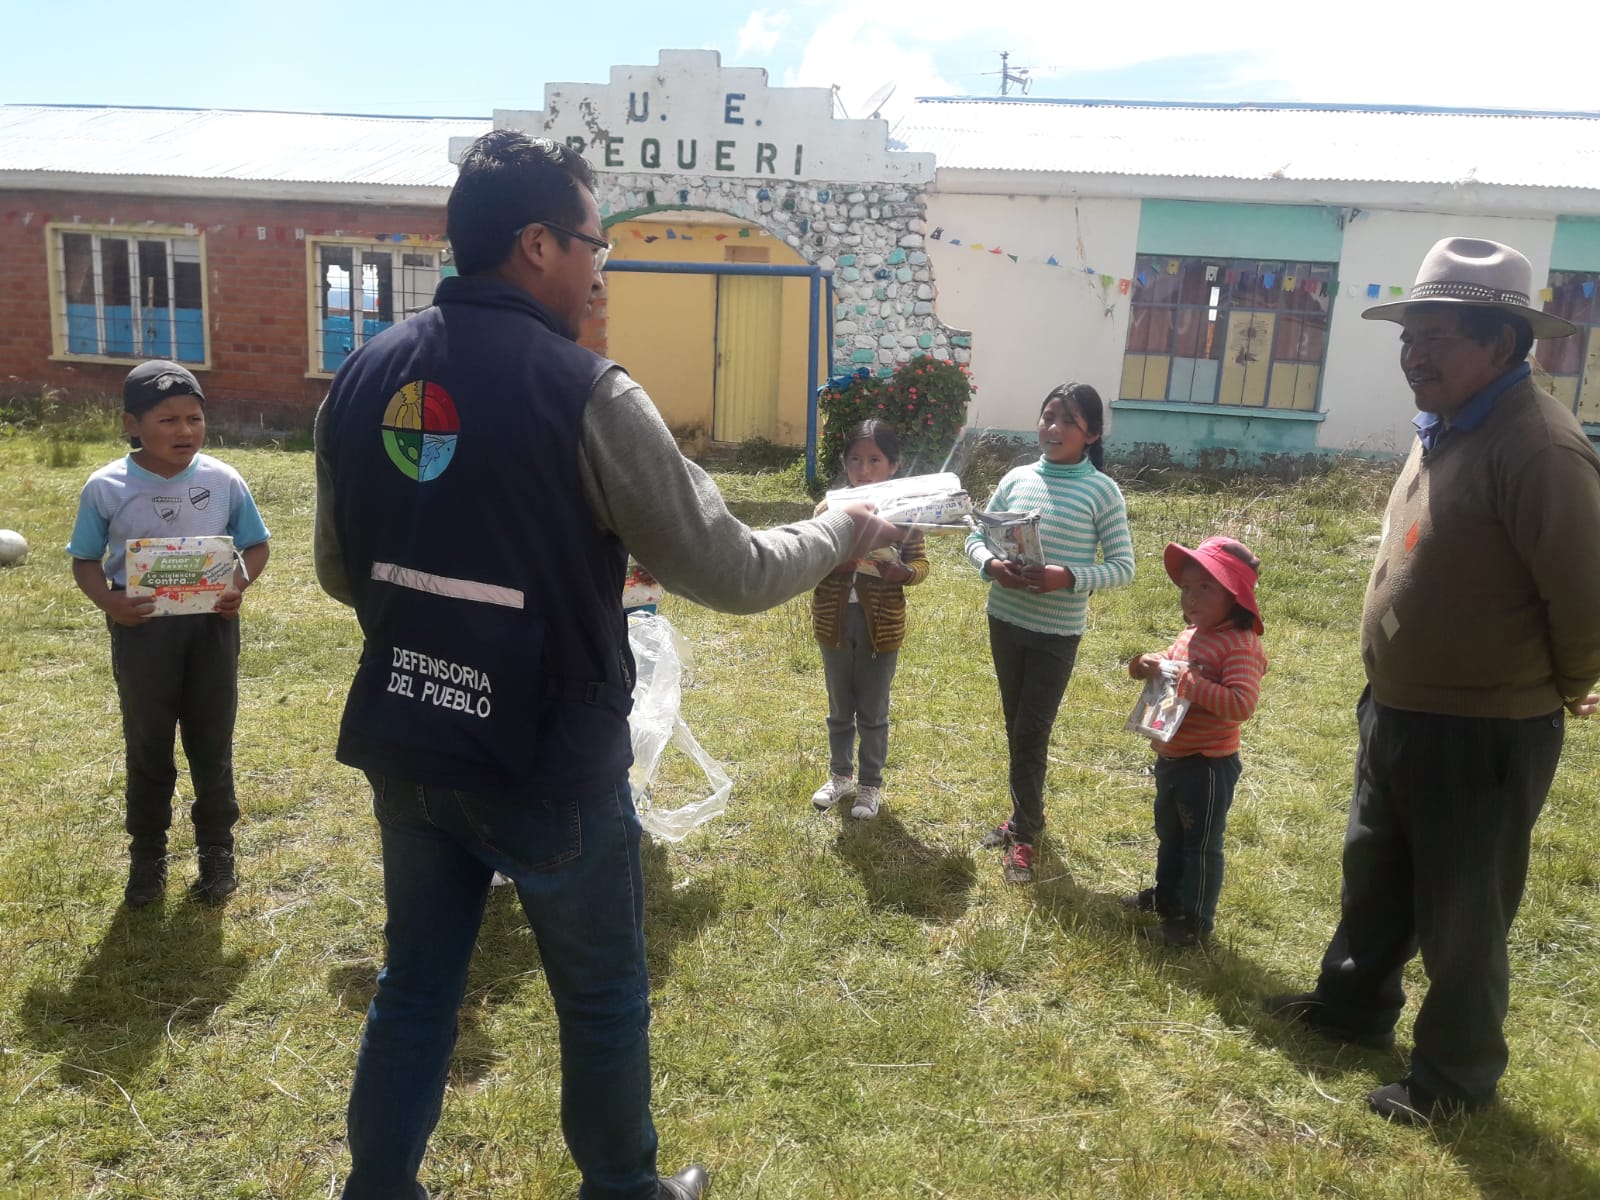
{"points": [[1431, 426]]}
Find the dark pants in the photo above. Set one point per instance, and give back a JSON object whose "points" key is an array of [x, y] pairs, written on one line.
{"points": [[178, 674], [1032, 670], [1193, 796], [1435, 857]]}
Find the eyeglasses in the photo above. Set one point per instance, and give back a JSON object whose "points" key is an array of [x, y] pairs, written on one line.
{"points": [[602, 249]]}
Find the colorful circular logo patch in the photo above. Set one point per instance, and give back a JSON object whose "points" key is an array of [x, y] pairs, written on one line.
{"points": [[420, 428]]}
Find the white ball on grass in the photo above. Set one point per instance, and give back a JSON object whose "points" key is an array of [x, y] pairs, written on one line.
{"points": [[13, 547]]}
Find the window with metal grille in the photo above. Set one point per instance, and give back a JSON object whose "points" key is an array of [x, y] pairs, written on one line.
{"points": [[125, 294], [1573, 363], [360, 290], [1245, 333]]}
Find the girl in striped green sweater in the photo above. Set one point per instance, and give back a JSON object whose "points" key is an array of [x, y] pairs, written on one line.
{"points": [[1036, 614]]}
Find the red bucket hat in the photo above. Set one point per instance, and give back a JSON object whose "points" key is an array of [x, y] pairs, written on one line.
{"points": [[1219, 558]]}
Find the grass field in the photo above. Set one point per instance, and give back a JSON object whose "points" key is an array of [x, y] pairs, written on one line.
{"points": [[841, 1009]]}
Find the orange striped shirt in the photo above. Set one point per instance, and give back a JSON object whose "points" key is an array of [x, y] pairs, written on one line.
{"points": [[1222, 684]]}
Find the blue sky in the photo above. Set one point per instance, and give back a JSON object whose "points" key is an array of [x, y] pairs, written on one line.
{"points": [[472, 56]]}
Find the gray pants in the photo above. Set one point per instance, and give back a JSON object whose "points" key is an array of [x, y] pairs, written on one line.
{"points": [[858, 700]]}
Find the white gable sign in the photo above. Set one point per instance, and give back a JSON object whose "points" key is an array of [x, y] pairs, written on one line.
{"points": [[689, 115]]}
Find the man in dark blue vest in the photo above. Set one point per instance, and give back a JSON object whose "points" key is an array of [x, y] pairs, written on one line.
{"points": [[479, 475]]}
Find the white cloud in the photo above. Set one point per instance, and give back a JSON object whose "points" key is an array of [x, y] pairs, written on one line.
{"points": [[1361, 51], [860, 53], [760, 34]]}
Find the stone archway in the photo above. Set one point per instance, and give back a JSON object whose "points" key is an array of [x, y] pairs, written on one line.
{"points": [[688, 133]]}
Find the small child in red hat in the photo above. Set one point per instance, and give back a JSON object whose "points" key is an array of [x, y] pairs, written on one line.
{"points": [[1223, 662]]}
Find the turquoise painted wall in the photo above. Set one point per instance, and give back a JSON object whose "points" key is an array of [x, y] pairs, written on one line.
{"points": [[1294, 231], [1197, 435], [1577, 245]]}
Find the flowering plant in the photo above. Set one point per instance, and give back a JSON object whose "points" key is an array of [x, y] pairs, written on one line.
{"points": [[924, 401]]}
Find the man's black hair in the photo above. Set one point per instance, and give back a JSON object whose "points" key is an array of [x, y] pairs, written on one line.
{"points": [[1481, 324], [507, 180]]}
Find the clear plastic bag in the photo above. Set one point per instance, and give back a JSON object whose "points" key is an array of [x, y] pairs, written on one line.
{"points": [[663, 660], [1160, 710]]}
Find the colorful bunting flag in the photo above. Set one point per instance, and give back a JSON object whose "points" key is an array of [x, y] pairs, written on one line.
{"points": [[1372, 291]]}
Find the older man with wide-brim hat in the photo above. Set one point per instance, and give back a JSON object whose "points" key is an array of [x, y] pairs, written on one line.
{"points": [[1481, 625]]}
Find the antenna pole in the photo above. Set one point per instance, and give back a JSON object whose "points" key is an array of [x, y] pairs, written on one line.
{"points": [[1008, 76]]}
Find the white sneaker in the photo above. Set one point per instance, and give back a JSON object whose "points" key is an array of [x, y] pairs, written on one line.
{"points": [[838, 787], [868, 801]]}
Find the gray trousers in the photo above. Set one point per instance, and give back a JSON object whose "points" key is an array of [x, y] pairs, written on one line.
{"points": [[858, 700]]}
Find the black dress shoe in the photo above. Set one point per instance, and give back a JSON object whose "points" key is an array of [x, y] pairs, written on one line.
{"points": [[1408, 1102], [1308, 1010], [688, 1184]]}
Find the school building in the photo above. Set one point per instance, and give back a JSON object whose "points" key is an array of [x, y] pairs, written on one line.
{"points": [[1204, 266]]}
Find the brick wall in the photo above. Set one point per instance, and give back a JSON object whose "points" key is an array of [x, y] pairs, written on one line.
{"points": [[256, 292]]}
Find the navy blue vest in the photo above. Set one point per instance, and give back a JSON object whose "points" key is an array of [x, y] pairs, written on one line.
{"points": [[496, 653]]}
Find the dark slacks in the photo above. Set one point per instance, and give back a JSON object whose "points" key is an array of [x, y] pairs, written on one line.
{"points": [[1435, 858], [178, 675], [1193, 796], [1033, 670]]}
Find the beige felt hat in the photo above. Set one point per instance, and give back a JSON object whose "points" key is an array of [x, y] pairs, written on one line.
{"points": [[1475, 271]]}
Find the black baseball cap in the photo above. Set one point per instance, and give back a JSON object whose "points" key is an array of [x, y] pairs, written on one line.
{"points": [[148, 384]]}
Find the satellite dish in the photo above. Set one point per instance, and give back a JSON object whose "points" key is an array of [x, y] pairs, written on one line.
{"points": [[878, 99], [838, 104]]}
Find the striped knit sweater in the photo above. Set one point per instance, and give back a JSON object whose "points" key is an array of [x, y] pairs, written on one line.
{"points": [[882, 604], [1083, 526], [1222, 684]]}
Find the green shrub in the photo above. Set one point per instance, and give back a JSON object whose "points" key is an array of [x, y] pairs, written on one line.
{"points": [[925, 400]]}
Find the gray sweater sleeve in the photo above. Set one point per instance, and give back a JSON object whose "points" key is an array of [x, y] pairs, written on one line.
{"points": [[324, 538], [671, 517]]}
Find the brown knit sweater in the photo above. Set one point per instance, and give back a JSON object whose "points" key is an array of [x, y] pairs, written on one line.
{"points": [[882, 604], [1484, 600]]}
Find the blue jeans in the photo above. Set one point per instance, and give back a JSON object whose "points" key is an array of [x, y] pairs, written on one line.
{"points": [[575, 863], [1193, 796]]}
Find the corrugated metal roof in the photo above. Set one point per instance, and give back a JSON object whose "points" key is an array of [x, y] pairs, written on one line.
{"points": [[1250, 142], [232, 144], [1257, 142]]}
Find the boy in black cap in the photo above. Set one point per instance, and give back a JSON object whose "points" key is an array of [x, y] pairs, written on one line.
{"points": [[179, 673]]}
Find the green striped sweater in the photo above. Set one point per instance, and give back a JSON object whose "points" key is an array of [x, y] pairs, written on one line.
{"points": [[1083, 526]]}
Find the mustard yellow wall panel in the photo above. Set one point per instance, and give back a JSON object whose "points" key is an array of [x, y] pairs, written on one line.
{"points": [[1589, 393], [1294, 386], [1144, 376], [1245, 357]]}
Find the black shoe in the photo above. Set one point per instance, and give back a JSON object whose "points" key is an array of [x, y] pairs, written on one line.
{"points": [[1178, 933], [1143, 901], [688, 1184], [1307, 1010], [1407, 1102], [217, 881], [147, 880]]}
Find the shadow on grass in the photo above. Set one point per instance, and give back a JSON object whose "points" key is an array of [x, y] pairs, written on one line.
{"points": [[157, 973], [507, 955], [904, 874], [1511, 1158], [1235, 984]]}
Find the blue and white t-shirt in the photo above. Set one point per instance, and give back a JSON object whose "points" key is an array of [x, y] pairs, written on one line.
{"points": [[122, 500]]}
